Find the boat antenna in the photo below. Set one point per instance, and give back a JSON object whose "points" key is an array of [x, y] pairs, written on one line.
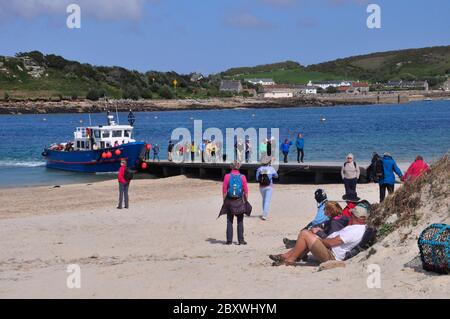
{"points": [[117, 115]]}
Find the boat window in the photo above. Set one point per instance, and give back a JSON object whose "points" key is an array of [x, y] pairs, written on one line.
{"points": [[88, 145], [82, 144], [117, 134], [97, 134], [102, 144], [106, 134], [78, 144], [127, 133]]}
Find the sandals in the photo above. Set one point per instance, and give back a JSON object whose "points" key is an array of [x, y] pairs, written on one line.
{"points": [[277, 258]]}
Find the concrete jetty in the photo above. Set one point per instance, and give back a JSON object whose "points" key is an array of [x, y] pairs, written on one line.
{"points": [[305, 173]]}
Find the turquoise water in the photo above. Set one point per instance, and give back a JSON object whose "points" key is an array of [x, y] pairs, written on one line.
{"points": [[404, 130]]}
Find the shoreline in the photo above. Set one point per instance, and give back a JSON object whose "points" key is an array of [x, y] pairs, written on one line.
{"points": [[322, 100]]}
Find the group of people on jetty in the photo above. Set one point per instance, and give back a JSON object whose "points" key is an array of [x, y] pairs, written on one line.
{"points": [[211, 151], [335, 232]]}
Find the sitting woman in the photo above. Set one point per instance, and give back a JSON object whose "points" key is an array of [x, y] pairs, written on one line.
{"points": [[334, 247], [336, 221]]}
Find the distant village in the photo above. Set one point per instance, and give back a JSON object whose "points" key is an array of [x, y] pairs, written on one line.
{"points": [[268, 88]]}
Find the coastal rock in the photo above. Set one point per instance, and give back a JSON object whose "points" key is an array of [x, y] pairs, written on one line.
{"points": [[392, 219]]}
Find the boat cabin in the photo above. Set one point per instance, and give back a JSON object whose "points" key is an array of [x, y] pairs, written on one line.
{"points": [[100, 137]]}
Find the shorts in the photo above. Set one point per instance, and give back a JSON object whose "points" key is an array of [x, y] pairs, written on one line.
{"points": [[321, 252]]}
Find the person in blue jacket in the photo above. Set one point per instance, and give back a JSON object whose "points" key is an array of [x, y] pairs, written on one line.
{"points": [[300, 143], [285, 149], [388, 179], [319, 220]]}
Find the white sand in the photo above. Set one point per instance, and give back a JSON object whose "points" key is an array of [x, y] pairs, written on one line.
{"points": [[170, 245]]}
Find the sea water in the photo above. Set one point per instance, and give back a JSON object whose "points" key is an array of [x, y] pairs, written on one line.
{"points": [[404, 130]]}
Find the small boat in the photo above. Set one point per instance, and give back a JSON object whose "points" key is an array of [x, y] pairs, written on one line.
{"points": [[97, 149], [428, 99]]}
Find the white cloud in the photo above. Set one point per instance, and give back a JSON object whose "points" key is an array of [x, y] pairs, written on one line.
{"points": [[98, 9]]}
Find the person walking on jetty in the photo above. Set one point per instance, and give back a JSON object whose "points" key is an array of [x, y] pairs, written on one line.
{"points": [[285, 149], [350, 174], [156, 152], [248, 150], [263, 149], [235, 196], [416, 169], [265, 175], [300, 144], [202, 150], [192, 148], [170, 150], [124, 177], [388, 179], [240, 151]]}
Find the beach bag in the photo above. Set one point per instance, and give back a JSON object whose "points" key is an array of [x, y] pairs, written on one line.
{"points": [[235, 186], [128, 174], [367, 240], [434, 247]]}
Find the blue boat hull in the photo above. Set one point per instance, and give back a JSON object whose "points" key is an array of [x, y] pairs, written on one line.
{"points": [[91, 161]]}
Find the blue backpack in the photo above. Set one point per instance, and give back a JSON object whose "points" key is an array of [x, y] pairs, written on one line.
{"points": [[235, 188]]}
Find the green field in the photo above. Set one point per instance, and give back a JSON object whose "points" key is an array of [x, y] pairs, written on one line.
{"points": [[293, 76]]}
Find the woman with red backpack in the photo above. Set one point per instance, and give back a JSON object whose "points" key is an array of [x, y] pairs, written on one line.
{"points": [[235, 196]]}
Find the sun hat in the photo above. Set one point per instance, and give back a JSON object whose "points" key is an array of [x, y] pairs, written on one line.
{"points": [[360, 211], [266, 160]]}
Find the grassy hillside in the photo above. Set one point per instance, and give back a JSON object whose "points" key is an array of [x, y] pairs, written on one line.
{"points": [[430, 64], [282, 72], [33, 75]]}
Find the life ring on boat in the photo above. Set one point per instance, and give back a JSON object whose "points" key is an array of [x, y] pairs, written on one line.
{"points": [[44, 154]]}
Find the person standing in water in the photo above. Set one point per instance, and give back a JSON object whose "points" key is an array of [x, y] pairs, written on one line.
{"points": [[235, 202], [300, 143], [265, 175], [124, 179]]}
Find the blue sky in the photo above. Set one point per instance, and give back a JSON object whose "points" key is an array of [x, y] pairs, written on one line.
{"points": [[212, 35]]}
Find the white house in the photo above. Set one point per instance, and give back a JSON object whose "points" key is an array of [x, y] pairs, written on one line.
{"points": [[278, 95], [309, 90], [262, 82], [326, 84]]}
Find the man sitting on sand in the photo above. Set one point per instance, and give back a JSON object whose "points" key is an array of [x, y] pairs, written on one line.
{"points": [[334, 247]]}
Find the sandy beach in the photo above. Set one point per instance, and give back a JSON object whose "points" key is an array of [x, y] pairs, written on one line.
{"points": [[169, 244]]}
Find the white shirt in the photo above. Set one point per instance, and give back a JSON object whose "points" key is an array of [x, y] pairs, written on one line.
{"points": [[351, 236]]}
